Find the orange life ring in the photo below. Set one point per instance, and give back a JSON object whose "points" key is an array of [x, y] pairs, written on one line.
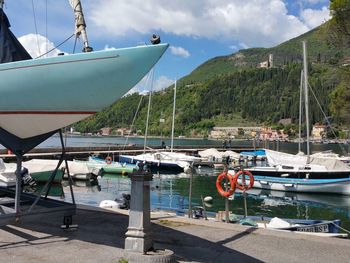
{"points": [[243, 186], [230, 190], [108, 160]]}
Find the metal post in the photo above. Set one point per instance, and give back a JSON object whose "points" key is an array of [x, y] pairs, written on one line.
{"points": [[190, 215], [173, 124], [70, 180], [18, 183], [300, 108], [306, 103], [148, 112]]}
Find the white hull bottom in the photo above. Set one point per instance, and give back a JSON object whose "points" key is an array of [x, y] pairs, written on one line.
{"points": [[28, 125], [342, 187]]}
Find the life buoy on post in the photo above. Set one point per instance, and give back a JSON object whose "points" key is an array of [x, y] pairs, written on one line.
{"points": [[243, 186], [108, 160], [229, 178]]}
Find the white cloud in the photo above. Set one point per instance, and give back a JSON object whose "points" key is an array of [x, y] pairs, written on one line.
{"points": [[145, 85], [314, 18], [255, 23], [179, 51], [107, 47], [162, 82], [36, 45]]}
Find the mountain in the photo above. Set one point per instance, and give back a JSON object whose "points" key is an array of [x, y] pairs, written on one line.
{"points": [[233, 91]]}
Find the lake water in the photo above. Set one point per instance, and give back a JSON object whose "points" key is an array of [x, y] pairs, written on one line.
{"points": [[93, 141]]}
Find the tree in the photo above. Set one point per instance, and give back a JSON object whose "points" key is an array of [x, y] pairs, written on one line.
{"points": [[340, 23]]}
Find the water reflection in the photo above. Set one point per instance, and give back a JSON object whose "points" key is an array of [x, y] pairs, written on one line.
{"points": [[172, 192]]}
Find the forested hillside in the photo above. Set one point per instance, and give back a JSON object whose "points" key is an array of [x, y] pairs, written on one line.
{"points": [[232, 91]]}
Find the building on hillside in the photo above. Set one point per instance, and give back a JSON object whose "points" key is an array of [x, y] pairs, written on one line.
{"points": [[106, 131], [123, 132], [318, 131], [268, 63], [232, 132], [269, 134]]}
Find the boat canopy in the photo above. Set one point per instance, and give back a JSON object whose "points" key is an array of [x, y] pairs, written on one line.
{"points": [[10, 48], [275, 158]]}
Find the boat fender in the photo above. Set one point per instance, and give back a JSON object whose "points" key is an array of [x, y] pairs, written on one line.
{"points": [[243, 186], [155, 39], [108, 160], [232, 187]]}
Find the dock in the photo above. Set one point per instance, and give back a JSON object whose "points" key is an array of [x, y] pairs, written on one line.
{"points": [[85, 152], [101, 235]]}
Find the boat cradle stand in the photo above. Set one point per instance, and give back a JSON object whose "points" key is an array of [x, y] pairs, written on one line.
{"points": [[16, 205]]}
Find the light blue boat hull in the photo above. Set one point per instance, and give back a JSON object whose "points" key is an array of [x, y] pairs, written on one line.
{"points": [[50, 93]]}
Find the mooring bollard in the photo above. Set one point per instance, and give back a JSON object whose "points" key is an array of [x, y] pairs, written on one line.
{"points": [[139, 236]]}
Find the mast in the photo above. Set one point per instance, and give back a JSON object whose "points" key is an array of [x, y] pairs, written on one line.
{"points": [[300, 108], [148, 110], [306, 89], [80, 23], [173, 124]]}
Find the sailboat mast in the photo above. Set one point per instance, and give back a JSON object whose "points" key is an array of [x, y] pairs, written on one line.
{"points": [[300, 108], [306, 90], [173, 124], [80, 23]]}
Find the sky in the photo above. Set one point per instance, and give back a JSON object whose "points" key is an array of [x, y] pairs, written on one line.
{"points": [[197, 30]]}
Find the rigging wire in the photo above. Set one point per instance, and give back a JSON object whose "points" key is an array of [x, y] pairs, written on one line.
{"points": [[132, 124], [46, 28], [52, 49], [75, 44], [342, 148], [36, 28]]}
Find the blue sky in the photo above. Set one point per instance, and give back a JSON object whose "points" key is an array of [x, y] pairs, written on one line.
{"points": [[197, 30]]}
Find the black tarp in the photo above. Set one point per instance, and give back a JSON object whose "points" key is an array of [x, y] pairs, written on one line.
{"points": [[10, 48]]}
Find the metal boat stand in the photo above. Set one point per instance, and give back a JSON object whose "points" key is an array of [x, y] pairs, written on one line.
{"points": [[16, 206]]}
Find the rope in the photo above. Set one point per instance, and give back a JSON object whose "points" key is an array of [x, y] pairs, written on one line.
{"points": [[56, 46], [345, 230], [75, 43]]}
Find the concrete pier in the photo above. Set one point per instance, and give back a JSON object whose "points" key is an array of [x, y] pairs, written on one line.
{"points": [[101, 237]]}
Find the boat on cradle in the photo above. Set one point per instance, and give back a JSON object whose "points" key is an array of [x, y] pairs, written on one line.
{"points": [[109, 166], [34, 94]]}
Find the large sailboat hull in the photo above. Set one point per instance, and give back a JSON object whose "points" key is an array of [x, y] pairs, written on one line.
{"points": [[42, 95]]}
